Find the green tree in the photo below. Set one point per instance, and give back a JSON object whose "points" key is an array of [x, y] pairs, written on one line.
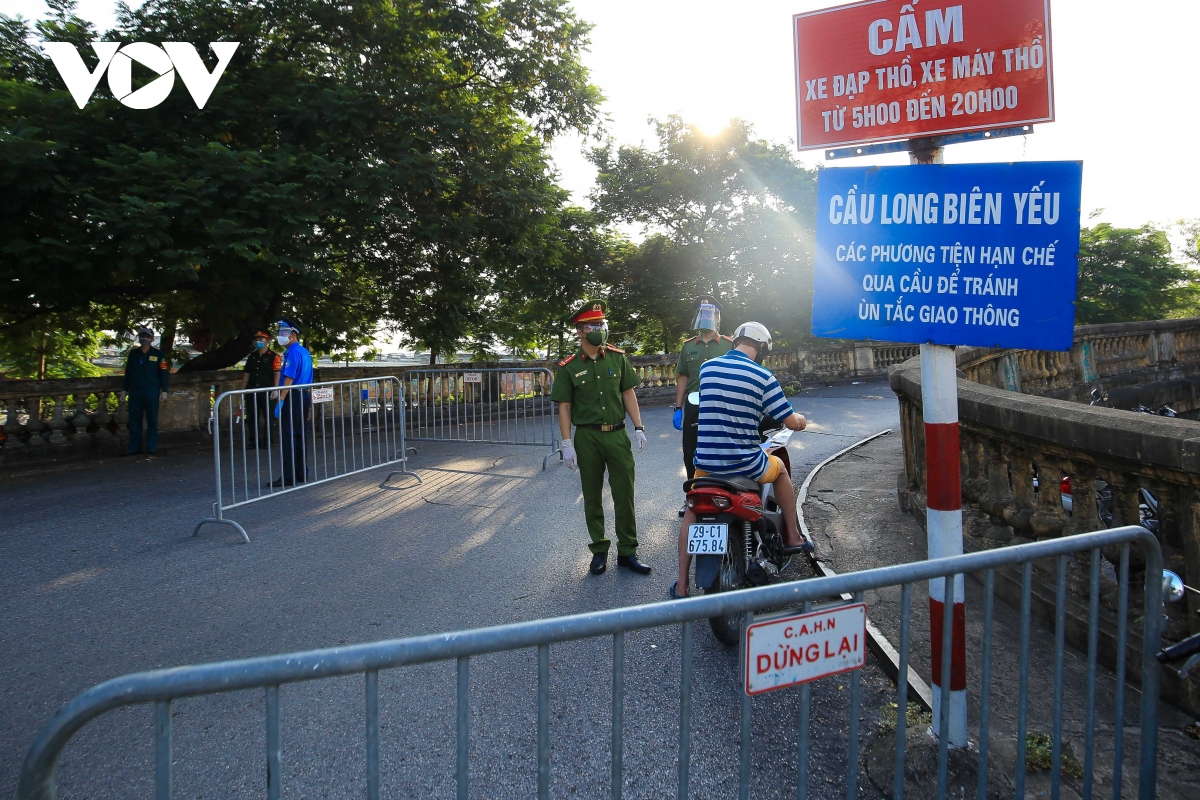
{"points": [[1128, 274], [52, 348], [382, 159], [728, 215]]}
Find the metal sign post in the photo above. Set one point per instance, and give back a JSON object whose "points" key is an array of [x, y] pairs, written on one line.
{"points": [[940, 255], [943, 519]]}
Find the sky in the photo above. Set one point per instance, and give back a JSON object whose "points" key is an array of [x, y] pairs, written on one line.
{"points": [[1124, 89]]}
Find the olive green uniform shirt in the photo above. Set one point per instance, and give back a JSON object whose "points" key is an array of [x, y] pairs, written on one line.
{"points": [[695, 352], [261, 366], [593, 387]]}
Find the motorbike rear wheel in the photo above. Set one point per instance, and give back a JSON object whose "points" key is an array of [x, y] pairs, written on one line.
{"points": [[731, 576]]}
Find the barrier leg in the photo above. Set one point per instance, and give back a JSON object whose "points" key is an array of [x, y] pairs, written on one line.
{"points": [[403, 471], [219, 520]]}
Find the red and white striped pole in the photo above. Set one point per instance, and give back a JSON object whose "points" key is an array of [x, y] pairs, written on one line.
{"points": [[943, 526], [943, 514]]}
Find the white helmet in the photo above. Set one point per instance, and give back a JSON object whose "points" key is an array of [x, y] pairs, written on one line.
{"points": [[755, 332]]}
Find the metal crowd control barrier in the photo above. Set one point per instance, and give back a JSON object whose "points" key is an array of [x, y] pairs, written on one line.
{"points": [[160, 687], [325, 431], [495, 406]]}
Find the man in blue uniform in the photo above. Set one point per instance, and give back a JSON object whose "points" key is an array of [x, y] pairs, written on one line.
{"points": [[147, 374], [294, 405]]}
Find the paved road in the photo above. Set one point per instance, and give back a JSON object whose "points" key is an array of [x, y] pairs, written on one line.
{"points": [[100, 577]]}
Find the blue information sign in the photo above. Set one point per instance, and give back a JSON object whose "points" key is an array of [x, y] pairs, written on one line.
{"points": [[970, 254]]}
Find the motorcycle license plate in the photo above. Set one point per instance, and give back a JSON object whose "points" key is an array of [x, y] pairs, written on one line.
{"points": [[707, 538]]}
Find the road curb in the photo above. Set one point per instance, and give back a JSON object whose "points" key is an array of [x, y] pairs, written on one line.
{"points": [[889, 656]]}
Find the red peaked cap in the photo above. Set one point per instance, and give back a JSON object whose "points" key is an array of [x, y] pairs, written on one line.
{"points": [[589, 311]]}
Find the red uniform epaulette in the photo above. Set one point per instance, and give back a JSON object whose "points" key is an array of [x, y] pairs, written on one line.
{"points": [[695, 338], [614, 349], [567, 360]]}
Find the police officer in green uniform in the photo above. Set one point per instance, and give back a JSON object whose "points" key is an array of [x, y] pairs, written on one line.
{"points": [[261, 371], [707, 343], [147, 375], [594, 390]]}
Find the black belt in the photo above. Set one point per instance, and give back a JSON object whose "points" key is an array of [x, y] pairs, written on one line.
{"points": [[603, 428]]}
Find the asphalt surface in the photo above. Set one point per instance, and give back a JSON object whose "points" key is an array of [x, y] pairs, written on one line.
{"points": [[99, 577]]}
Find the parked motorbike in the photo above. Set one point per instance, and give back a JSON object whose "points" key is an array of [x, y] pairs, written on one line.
{"points": [[1174, 590], [737, 538]]}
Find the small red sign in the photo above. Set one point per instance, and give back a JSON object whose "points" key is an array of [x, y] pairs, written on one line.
{"points": [[884, 69]]}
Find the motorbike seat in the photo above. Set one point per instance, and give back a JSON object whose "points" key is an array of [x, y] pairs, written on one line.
{"points": [[733, 483]]}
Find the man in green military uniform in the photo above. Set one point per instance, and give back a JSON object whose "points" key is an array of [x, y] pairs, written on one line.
{"points": [[147, 374], [707, 343], [261, 371], [594, 390]]}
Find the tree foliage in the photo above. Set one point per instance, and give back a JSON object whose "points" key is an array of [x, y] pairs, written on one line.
{"points": [[1128, 274], [357, 162], [728, 215], [51, 348]]}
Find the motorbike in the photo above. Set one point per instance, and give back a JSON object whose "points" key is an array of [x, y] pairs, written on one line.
{"points": [[737, 538], [1174, 590]]}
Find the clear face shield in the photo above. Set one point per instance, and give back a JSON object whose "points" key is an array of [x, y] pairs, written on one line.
{"points": [[708, 318], [283, 335], [595, 333]]}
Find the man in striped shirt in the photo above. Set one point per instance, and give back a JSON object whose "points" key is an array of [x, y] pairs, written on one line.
{"points": [[736, 393]]}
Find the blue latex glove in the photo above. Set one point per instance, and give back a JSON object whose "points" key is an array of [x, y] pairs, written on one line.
{"points": [[278, 408], [677, 420]]}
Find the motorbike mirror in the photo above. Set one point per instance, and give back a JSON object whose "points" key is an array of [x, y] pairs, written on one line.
{"points": [[693, 398], [1172, 586]]}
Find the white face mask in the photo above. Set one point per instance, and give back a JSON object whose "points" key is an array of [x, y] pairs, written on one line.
{"points": [[284, 339]]}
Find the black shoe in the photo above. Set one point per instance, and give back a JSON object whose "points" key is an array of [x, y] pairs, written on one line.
{"points": [[807, 546], [683, 508], [631, 562], [280, 484], [599, 563]]}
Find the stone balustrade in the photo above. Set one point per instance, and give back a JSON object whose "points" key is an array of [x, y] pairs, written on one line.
{"points": [[82, 418], [1130, 361], [85, 417], [1021, 419]]}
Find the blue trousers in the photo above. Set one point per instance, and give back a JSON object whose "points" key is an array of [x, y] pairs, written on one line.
{"points": [[295, 435], [143, 401]]}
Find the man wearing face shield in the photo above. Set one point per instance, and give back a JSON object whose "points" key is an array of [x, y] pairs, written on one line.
{"points": [[706, 344], [293, 406], [594, 390], [147, 375]]}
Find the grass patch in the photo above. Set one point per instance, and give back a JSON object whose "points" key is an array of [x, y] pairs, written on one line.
{"points": [[913, 717], [1039, 750]]}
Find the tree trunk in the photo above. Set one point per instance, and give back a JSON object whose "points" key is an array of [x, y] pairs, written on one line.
{"points": [[226, 355], [166, 340], [41, 371], [433, 354]]}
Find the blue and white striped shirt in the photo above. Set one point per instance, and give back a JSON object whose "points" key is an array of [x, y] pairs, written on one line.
{"points": [[735, 395]]}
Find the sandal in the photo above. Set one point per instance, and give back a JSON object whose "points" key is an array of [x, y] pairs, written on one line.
{"points": [[675, 596]]}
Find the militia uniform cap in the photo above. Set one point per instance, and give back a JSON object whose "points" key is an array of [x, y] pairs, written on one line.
{"points": [[588, 311], [710, 300]]}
